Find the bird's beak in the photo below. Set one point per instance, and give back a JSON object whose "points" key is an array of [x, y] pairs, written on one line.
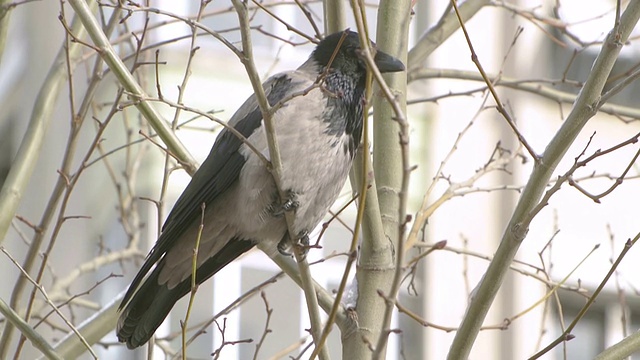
{"points": [[387, 63]]}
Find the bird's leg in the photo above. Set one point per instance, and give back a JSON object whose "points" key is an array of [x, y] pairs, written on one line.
{"points": [[290, 204], [303, 242], [284, 246]]}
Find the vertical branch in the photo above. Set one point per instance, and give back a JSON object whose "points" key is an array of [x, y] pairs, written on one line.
{"points": [[391, 149], [375, 258], [383, 226], [584, 108], [334, 16], [276, 170]]}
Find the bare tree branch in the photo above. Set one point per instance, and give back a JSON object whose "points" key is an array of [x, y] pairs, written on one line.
{"points": [[518, 226], [28, 331], [133, 88], [537, 87]]}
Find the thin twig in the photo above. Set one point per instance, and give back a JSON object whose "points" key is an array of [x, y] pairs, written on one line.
{"points": [[128, 81], [48, 300], [539, 87], [194, 284], [518, 226], [566, 334], [246, 57], [286, 24], [494, 93], [266, 330]]}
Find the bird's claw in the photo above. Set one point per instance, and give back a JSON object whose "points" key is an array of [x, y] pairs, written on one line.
{"points": [[284, 246], [290, 204]]}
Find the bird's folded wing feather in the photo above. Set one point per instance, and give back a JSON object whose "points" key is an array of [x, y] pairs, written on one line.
{"points": [[218, 172]]}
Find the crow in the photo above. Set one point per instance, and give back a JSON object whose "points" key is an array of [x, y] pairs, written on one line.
{"points": [[318, 122]]}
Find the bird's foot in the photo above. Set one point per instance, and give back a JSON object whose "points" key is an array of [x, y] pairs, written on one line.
{"points": [[290, 204], [284, 246], [303, 243]]}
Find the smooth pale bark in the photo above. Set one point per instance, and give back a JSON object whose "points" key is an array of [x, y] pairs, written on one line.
{"points": [[439, 33], [376, 264], [334, 16]]}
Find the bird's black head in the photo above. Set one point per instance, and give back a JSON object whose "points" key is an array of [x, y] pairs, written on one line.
{"points": [[347, 58], [344, 83]]}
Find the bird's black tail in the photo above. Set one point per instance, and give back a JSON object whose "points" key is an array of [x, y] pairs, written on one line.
{"points": [[152, 302]]}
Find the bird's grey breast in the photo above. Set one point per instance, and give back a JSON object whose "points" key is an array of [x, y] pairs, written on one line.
{"points": [[314, 143]]}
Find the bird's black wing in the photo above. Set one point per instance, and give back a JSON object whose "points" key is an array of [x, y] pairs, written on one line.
{"points": [[218, 172]]}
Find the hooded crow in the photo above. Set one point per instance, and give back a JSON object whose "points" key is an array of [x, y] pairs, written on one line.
{"points": [[318, 128]]}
